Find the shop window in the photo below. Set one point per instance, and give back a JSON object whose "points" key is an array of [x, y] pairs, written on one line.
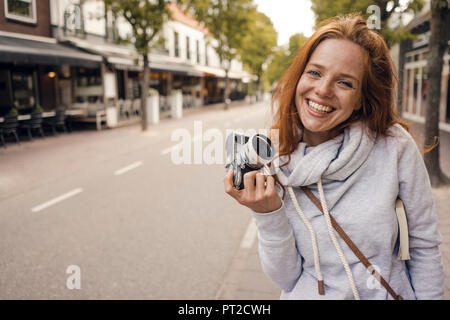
{"points": [[88, 85], [22, 10], [23, 89], [405, 98], [424, 91], [415, 90]]}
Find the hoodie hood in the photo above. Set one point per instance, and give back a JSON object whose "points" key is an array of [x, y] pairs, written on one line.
{"points": [[335, 159]]}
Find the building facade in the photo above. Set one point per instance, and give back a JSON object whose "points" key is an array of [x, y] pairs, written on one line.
{"points": [[411, 57], [81, 58], [33, 65]]}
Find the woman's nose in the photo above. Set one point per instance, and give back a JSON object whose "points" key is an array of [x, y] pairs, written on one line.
{"points": [[324, 88]]}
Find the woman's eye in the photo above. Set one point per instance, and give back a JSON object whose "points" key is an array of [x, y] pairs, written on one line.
{"points": [[348, 84], [313, 73]]}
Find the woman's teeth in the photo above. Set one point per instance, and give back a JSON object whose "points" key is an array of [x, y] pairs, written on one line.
{"points": [[319, 108]]}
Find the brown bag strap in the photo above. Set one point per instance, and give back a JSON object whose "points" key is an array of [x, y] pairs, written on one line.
{"points": [[352, 245]]}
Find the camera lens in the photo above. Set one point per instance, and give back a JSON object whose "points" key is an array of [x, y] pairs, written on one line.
{"points": [[263, 146]]}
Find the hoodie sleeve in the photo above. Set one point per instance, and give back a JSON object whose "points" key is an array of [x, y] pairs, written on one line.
{"points": [[425, 266], [280, 259]]}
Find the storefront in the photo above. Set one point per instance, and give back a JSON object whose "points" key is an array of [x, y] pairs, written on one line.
{"points": [[414, 78], [39, 73]]}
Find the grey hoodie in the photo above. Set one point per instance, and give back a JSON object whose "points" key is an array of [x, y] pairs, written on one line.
{"points": [[361, 180]]}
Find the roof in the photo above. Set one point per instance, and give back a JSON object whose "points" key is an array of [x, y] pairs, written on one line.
{"points": [[419, 19], [186, 18]]}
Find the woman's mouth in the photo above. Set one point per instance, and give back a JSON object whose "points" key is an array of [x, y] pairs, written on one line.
{"points": [[318, 108]]}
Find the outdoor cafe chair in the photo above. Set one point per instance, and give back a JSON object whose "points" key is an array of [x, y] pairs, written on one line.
{"points": [[127, 107], [9, 126], [136, 108], [59, 120], [34, 123]]}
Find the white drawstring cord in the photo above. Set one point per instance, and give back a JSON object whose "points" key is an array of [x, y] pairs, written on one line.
{"points": [[313, 240], [335, 241]]}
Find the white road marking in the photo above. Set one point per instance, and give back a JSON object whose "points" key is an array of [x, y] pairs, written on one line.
{"points": [[128, 168], [57, 199], [177, 146], [249, 236], [169, 150]]}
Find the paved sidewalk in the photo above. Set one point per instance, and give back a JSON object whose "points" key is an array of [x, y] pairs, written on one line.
{"points": [[245, 279]]}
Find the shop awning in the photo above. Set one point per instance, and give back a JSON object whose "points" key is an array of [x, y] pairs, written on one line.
{"points": [[121, 57], [27, 51], [175, 68]]}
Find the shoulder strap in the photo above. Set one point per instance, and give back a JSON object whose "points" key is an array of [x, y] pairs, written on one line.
{"points": [[352, 245], [403, 249]]}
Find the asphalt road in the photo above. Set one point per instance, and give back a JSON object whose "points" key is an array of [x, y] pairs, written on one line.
{"points": [[113, 204]]}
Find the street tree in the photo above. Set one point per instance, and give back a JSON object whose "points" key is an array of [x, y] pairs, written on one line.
{"points": [[437, 46], [227, 21], [258, 44], [325, 9], [282, 57], [146, 18]]}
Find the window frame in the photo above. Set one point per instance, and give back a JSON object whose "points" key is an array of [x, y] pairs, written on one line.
{"points": [[188, 48], [176, 40], [13, 16]]}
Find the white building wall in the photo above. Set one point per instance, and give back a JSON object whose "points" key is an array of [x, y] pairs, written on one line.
{"points": [[94, 23]]}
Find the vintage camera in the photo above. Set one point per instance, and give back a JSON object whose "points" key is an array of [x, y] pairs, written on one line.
{"points": [[246, 154]]}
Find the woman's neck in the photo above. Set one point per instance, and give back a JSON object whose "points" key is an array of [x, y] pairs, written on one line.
{"points": [[313, 139]]}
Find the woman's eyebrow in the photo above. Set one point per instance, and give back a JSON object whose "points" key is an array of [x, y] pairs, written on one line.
{"points": [[341, 74]]}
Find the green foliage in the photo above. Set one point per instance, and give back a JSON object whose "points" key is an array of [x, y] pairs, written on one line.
{"points": [[38, 109], [325, 9], [13, 112], [258, 43], [226, 20], [152, 92], [146, 18], [282, 58]]}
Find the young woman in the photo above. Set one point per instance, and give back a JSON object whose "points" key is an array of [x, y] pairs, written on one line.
{"points": [[340, 137]]}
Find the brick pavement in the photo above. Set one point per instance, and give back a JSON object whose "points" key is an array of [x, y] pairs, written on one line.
{"points": [[246, 280]]}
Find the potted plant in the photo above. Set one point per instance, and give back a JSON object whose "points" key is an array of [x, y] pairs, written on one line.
{"points": [[152, 92], [13, 112], [38, 109]]}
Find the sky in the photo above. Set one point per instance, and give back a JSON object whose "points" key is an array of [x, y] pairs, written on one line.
{"points": [[288, 17]]}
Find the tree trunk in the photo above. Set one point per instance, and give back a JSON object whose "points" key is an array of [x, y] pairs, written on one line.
{"points": [[437, 45], [144, 92], [226, 93]]}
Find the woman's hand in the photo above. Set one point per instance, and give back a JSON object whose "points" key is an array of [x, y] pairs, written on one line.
{"points": [[260, 196]]}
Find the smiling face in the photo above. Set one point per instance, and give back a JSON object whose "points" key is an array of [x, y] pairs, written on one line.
{"points": [[329, 89]]}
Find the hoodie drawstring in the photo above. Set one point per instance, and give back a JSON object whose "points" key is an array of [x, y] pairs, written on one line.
{"points": [[333, 238], [313, 240]]}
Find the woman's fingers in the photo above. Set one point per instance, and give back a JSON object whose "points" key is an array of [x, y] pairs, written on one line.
{"points": [[229, 187], [260, 185], [270, 185], [259, 191], [249, 182]]}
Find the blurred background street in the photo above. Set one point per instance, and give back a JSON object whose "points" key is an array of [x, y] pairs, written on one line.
{"points": [[158, 231], [89, 100], [155, 231]]}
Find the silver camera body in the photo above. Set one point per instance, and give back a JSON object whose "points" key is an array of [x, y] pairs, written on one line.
{"points": [[246, 154]]}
